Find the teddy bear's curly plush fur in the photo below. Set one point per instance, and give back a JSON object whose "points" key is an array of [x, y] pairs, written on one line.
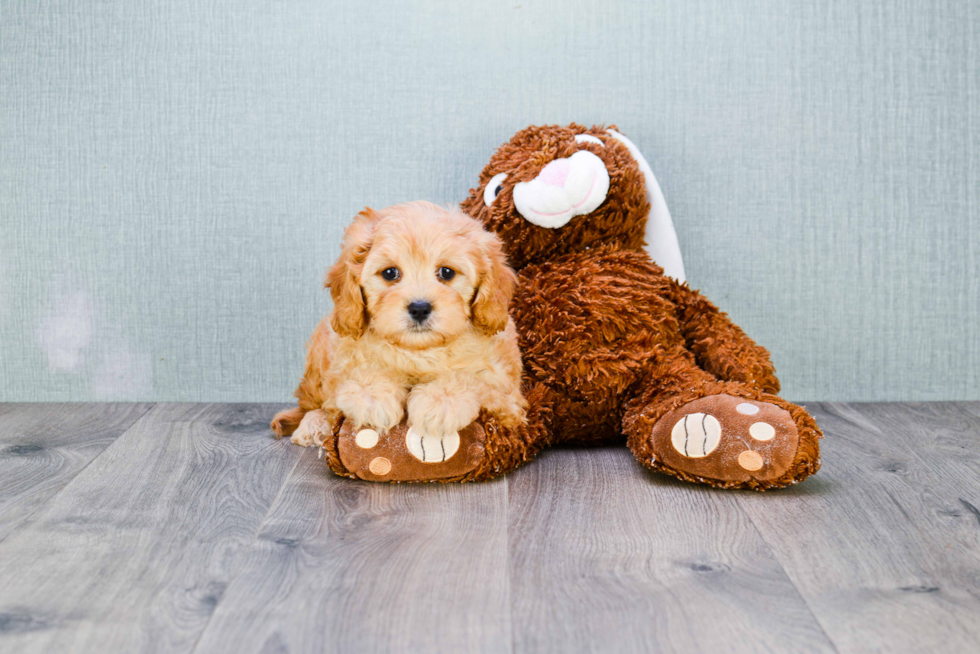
{"points": [[613, 349]]}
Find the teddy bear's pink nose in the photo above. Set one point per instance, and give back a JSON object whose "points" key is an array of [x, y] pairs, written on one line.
{"points": [[556, 172]]}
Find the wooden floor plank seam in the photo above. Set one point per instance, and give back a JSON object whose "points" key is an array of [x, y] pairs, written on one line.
{"points": [[246, 553], [775, 554], [27, 519]]}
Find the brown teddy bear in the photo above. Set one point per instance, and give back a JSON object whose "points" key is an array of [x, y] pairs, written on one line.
{"points": [[613, 348]]}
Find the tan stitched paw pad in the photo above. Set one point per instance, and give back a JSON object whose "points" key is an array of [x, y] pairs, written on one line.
{"points": [[405, 454], [727, 438], [431, 449]]}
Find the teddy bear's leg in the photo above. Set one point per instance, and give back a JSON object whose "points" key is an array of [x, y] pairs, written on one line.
{"points": [[482, 450], [687, 423], [719, 345]]}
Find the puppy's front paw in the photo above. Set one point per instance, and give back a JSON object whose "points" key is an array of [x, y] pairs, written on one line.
{"points": [[434, 411], [380, 408], [313, 429]]}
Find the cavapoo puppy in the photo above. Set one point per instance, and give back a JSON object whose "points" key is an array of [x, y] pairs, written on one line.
{"points": [[419, 324]]}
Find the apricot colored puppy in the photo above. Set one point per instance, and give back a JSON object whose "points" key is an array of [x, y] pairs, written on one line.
{"points": [[419, 324]]}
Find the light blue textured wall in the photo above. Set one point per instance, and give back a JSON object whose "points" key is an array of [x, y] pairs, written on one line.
{"points": [[175, 174]]}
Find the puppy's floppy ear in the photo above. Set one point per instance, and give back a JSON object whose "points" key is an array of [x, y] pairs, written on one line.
{"points": [[496, 287], [350, 315]]}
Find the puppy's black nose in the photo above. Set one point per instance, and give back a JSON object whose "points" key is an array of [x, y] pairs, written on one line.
{"points": [[419, 310]]}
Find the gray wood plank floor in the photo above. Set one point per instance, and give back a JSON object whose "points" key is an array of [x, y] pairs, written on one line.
{"points": [[43, 447], [186, 528]]}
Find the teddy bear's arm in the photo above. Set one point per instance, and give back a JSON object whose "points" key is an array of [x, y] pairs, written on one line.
{"points": [[719, 345]]}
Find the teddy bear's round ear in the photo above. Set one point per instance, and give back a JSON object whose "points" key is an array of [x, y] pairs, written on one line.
{"points": [[661, 238]]}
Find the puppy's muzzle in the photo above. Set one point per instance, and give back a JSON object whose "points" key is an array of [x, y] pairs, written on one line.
{"points": [[420, 310]]}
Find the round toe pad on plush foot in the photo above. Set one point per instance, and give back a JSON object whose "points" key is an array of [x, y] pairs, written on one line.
{"points": [[431, 449], [404, 454], [726, 438]]}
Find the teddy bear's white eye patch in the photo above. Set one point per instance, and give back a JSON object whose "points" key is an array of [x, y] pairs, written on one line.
{"points": [[493, 189], [588, 138]]}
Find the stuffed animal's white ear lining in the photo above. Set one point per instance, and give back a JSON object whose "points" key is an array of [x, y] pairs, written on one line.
{"points": [[661, 238]]}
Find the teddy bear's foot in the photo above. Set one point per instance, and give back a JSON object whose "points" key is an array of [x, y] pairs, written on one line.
{"points": [[482, 450], [406, 454], [734, 442]]}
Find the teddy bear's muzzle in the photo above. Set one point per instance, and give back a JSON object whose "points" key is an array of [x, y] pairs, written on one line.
{"points": [[565, 188]]}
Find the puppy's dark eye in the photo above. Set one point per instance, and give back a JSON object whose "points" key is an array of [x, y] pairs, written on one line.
{"points": [[445, 274], [391, 274]]}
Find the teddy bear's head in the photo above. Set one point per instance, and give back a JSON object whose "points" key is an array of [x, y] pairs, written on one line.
{"points": [[553, 190]]}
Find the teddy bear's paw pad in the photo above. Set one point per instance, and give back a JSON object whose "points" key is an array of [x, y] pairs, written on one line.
{"points": [[696, 435], [431, 449], [366, 439], [405, 454], [727, 438]]}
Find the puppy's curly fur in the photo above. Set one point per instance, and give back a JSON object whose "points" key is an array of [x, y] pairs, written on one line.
{"points": [[419, 323]]}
